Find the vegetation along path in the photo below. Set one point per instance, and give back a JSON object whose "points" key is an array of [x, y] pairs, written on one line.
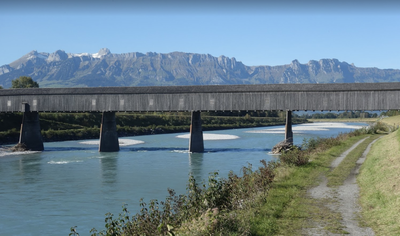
{"points": [[379, 185]]}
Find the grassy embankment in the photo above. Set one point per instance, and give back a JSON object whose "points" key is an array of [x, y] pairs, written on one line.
{"points": [[393, 121], [379, 182]]}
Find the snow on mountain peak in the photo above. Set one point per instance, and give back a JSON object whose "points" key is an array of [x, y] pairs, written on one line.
{"points": [[102, 52], [99, 54]]}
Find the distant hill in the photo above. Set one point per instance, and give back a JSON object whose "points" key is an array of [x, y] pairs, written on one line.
{"points": [[61, 69]]}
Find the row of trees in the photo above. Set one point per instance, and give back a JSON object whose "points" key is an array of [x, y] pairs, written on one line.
{"points": [[340, 115], [391, 113]]}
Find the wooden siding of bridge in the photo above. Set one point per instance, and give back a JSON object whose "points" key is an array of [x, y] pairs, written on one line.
{"points": [[378, 96]]}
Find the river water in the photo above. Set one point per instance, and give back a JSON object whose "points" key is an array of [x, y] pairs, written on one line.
{"points": [[72, 184]]}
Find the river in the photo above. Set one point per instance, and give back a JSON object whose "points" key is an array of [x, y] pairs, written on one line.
{"points": [[72, 184]]}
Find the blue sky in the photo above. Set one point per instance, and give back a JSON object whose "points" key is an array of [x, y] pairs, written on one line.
{"points": [[254, 32]]}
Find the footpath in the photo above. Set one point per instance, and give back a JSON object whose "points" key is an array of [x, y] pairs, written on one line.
{"points": [[342, 200]]}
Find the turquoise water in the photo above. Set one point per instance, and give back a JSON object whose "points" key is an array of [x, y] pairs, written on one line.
{"points": [[72, 184]]}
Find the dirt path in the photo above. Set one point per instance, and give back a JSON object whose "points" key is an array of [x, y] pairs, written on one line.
{"points": [[343, 199]]}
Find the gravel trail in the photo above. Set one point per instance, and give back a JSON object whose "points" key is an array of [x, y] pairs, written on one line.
{"points": [[345, 198]]}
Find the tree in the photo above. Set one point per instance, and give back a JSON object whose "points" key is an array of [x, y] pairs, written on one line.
{"points": [[1, 87], [24, 82]]}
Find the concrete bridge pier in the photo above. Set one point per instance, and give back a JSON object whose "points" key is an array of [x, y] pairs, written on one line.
{"points": [[196, 143], [288, 128], [30, 134], [108, 133]]}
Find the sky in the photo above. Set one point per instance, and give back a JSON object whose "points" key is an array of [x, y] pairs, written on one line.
{"points": [[255, 32]]}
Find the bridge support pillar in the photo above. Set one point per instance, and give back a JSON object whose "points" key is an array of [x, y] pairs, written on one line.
{"points": [[30, 130], [108, 133], [288, 128], [196, 143]]}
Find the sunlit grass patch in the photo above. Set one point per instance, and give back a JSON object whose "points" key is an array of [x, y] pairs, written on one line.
{"points": [[392, 120], [379, 186]]}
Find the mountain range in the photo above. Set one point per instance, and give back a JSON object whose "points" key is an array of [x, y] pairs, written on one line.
{"points": [[61, 69]]}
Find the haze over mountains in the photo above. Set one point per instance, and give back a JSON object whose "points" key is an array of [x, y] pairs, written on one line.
{"points": [[61, 69]]}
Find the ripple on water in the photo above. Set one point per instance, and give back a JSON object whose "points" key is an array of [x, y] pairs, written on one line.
{"points": [[181, 151], [212, 136], [61, 162]]}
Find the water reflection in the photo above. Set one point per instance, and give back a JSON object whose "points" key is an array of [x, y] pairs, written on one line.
{"points": [[109, 167], [154, 149], [29, 168], [207, 150], [66, 149], [195, 163], [212, 150]]}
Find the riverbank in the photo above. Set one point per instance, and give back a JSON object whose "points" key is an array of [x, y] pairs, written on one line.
{"points": [[289, 208], [391, 120], [322, 199], [379, 184], [258, 203]]}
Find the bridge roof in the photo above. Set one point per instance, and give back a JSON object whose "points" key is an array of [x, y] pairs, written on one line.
{"points": [[207, 89]]}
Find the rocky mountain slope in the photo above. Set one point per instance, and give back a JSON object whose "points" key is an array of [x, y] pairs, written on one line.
{"points": [[61, 69]]}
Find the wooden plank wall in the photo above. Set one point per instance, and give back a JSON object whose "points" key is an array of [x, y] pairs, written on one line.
{"points": [[382, 96]]}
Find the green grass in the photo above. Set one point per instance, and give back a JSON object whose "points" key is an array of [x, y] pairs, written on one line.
{"points": [[288, 209], [379, 186], [392, 120]]}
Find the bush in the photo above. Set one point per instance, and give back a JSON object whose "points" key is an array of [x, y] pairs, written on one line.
{"points": [[378, 127], [294, 157]]}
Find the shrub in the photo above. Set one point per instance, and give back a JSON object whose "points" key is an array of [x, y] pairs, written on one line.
{"points": [[379, 127], [294, 157]]}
